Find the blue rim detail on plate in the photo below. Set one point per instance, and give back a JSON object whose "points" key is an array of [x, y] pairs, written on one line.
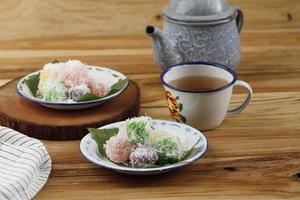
{"points": [[44, 102], [233, 73], [148, 171]]}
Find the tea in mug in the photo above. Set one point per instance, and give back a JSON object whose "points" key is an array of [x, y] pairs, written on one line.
{"points": [[198, 83]]}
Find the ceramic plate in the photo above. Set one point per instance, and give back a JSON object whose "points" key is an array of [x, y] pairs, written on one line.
{"points": [[111, 75], [186, 134]]}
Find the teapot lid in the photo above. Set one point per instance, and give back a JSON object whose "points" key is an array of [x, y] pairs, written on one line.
{"points": [[197, 11]]}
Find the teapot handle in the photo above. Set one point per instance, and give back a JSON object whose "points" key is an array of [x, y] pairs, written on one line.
{"points": [[239, 19]]}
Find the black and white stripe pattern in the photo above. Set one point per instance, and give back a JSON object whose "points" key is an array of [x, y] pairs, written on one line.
{"points": [[25, 165]]}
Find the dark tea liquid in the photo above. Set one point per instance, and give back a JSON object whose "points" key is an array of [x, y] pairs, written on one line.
{"points": [[198, 83]]}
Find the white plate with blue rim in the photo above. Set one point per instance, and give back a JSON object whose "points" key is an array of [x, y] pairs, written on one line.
{"points": [[112, 75], [187, 134]]}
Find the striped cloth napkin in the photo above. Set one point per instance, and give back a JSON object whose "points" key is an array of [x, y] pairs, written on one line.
{"points": [[24, 165]]}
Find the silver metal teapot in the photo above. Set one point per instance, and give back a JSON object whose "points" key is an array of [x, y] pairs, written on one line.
{"points": [[198, 30]]}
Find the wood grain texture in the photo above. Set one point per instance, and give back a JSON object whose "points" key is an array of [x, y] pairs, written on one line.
{"points": [[35, 18], [253, 155]]}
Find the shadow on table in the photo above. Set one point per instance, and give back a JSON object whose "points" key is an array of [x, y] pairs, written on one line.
{"points": [[177, 177]]}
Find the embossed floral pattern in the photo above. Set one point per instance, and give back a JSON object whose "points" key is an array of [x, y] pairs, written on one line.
{"points": [[216, 43], [175, 107]]}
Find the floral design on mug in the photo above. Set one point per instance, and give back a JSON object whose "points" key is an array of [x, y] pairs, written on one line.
{"points": [[175, 107]]}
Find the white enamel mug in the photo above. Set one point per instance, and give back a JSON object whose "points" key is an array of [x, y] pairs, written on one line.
{"points": [[201, 109]]}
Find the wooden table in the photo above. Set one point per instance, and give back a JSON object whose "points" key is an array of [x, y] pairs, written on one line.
{"points": [[253, 155]]}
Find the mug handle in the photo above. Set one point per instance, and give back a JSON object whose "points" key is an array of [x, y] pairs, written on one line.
{"points": [[239, 19], [246, 102]]}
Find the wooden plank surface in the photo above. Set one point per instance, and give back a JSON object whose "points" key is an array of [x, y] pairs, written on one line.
{"points": [[253, 155]]}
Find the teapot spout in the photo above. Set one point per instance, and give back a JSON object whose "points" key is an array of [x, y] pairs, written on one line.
{"points": [[154, 32], [164, 52]]}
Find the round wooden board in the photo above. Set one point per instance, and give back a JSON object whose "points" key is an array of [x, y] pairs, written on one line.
{"points": [[49, 124]]}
